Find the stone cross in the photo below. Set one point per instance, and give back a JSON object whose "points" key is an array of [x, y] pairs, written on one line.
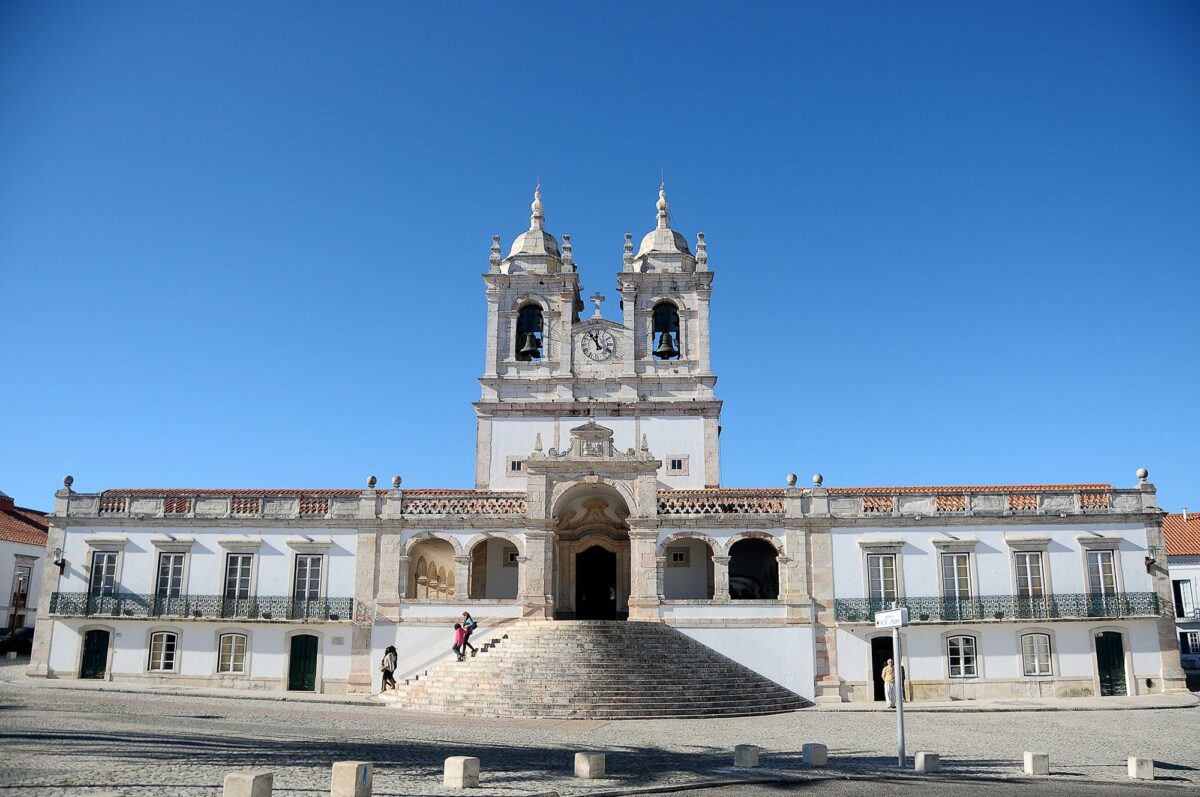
{"points": [[596, 298]]}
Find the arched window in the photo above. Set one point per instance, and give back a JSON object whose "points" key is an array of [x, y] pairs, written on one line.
{"points": [[529, 333], [753, 570], [1035, 654], [960, 655], [688, 570], [666, 331], [231, 654], [162, 652], [494, 569], [429, 560]]}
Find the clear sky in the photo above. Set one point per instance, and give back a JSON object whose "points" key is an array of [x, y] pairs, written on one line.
{"points": [[954, 243]]}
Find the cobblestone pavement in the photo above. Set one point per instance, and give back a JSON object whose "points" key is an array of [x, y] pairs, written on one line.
{"points": [[59, 742]]}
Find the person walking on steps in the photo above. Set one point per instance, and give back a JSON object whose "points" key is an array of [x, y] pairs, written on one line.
{"points": [[889, 683], [460, 637], [387, 667], [469, 624]]}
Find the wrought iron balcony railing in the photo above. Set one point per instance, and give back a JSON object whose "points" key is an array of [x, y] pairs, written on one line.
{"points": [[201, 607], [1068, 606]]}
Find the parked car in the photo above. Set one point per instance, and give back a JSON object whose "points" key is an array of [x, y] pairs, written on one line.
{"points": [[20, 640]]}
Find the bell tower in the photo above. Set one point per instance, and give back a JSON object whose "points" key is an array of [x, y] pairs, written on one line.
{"points": [[646, 376]]}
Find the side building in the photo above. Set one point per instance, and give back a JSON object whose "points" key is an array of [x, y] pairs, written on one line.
{"points": [[22, 557], [1182, 533]]}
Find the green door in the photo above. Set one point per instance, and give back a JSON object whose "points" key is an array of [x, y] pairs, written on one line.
{"points": [[302, 667], [1110, 663], [95, 654]]}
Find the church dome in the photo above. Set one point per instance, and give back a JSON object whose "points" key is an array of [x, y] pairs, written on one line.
{"points": [[535, 241], [662, 239]]}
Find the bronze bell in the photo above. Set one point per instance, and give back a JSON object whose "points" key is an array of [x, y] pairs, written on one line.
{"points": [[666, 347], [532, 347]]}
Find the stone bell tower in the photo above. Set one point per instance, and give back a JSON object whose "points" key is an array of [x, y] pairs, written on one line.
{"points": [[645, 376]]}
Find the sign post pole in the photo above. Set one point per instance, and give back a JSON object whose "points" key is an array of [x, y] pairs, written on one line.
{"points": [[896, 619]]}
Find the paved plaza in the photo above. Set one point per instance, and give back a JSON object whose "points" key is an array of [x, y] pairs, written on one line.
{"points": [[77, 742]]}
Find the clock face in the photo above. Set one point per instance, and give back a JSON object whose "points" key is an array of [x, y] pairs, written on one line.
{"points": [[599, 344]]}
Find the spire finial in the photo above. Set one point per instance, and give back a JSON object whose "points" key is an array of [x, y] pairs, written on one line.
{"points": [[664, 215], [536, 218]]}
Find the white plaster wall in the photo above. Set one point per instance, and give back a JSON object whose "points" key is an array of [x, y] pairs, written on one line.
{"points": [[206, 563], [515, 437], [501, 579], [732, 611], [420, 646], [691, 582], [1064, 561], [683, 435], [783, 654], [8, 568]]}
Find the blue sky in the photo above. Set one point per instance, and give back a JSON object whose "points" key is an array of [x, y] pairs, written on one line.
{"points": [[240, 244]]}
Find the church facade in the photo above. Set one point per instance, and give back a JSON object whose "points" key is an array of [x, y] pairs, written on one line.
{"points": [[598, 496]]}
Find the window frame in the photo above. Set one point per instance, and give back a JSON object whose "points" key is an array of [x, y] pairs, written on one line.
{"points": [[174, 651], [113, 556], [1192, 640], [308, 557], [1025, 660], [1104, 590], [962, 675], [1185, 601], [1019, 571], [684, 465], [221, 637], [956, 594], [883, 556], [180, 588]]}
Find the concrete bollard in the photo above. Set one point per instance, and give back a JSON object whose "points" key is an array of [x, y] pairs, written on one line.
{"points": [[927, 762], [589, 765], [1037, 763], [461, 772], [815, 755], [249, 783], [1141, 768], [746, 755], [351, 779]]}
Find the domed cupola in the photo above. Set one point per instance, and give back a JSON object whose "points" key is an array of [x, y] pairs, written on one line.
{"points": [[662, 248], [535, 250]]}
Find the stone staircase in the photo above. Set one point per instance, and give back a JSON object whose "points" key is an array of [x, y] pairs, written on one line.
{"points": [[593, 669]]}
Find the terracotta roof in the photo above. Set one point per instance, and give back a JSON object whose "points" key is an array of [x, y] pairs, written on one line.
{"points": [[18, 524], [998, 488], [1183, 537]]}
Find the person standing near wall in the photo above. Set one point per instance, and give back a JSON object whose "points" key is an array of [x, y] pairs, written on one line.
{"points": [[388, 667], [889, 683]]}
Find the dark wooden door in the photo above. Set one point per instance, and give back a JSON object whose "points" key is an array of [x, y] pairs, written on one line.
{"points": [[881, 651], [95, 654], [1110, 663], [302, 664]]}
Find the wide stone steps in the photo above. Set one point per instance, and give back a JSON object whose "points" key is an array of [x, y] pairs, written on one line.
{"points": [[593, 670]]}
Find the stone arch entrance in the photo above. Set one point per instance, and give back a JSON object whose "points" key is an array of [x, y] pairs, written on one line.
{"points": [[592, 553]]}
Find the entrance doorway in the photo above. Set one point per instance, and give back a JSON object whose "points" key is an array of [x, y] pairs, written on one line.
{"points": [[1110, 663], [596, 584], [94, 662], [302, 664], [881, 651]]}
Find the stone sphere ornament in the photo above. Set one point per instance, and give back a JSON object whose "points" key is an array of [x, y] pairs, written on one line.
{"points": [[371, 482], [791, 480], [68, 480], [817, 479], [396, 482], [1143, 474]]}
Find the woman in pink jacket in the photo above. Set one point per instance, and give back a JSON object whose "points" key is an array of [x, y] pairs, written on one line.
{"points": [[460, 636]]}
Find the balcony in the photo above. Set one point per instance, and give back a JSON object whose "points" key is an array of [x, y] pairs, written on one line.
{"points": [[273, 608], [1002, 608]]}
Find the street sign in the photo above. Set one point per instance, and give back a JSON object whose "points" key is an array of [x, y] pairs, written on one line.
{"points": [[894, 618]]}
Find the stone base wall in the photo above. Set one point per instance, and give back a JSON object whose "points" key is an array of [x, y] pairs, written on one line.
{"points": [[328, 686], [1000, 689]]}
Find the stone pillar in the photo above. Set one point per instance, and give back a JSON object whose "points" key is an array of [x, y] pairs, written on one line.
{"points": [[43, 630], [359, 680], [537, 572], [462, 578], [403, 568], [793, 577], [1173, 677], [661, 570], [720, 578], [643, 573], [828, 684]]}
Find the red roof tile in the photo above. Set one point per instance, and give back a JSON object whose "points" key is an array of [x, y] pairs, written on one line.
{"points": [[1183, 537], [18, 524]]}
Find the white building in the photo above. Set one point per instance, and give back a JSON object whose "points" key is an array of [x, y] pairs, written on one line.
{"points": [[22, 552], [1182, 534], [597, 496]]}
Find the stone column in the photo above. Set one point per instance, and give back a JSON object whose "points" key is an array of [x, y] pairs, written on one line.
{"points": [[403, 566], [43, 630], [462, 578], [643, 577], [828, 684], [662, 576], [720, 578], [793, 577], [1173, 677], [359, 680], [537, 572]]}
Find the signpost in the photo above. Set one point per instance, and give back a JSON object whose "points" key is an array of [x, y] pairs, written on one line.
{"points": [[896, 619]]}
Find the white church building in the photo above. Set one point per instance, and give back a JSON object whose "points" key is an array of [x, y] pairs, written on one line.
{"points": [[597, 496]]}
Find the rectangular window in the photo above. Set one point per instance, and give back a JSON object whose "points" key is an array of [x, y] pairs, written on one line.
{"points": [[1102, 576], [1029, 574], [881, 577], [1185, 606], [170, 575], [1035, 654], [162, 652], [960, 651], [515, 465], [956, 575], [231, 657], [677, 465], [238, 567], [104, 573], [308, 577], [1189, 643], [678, 557]]}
